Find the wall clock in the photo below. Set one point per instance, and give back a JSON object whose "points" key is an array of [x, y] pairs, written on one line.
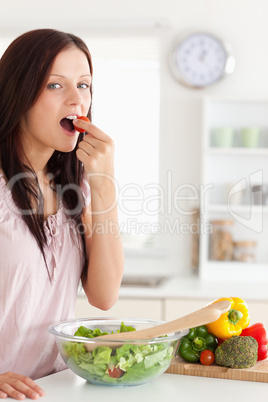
{"points": [[200, 59]]}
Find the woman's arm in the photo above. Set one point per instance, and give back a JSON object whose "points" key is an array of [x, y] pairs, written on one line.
{"points": [[105, 255], [100, 219]]}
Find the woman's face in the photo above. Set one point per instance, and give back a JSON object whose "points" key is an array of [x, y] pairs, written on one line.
{"points": [[67, 93]]}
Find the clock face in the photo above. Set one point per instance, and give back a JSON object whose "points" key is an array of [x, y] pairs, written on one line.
{"points": [[199, 60]]}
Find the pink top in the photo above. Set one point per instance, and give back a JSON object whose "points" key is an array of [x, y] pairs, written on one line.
{"points": [[29, 301]]}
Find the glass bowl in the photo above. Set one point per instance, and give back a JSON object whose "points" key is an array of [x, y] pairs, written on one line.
{"points": [[122, 363]]}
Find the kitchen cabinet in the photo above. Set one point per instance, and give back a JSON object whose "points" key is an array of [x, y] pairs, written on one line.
{"points": [[164, 308], [234, 160], [175, 308], [124, 307]]}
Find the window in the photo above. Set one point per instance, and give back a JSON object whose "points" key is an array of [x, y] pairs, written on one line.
{"points": [[4, 43], [126, 95]]}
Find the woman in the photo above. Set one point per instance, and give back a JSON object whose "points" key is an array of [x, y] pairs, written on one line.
{"points": [[58, 215]]}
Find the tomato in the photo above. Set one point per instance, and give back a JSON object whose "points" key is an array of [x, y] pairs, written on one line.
{"points": [[115, 372], [207, 357], [81, 130]]}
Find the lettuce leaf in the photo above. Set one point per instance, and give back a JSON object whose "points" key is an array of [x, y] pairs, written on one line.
{"points": [[89, 333], [101, 355], [125, 328]]}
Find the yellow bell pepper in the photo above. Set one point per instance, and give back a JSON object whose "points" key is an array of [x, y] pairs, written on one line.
{"points": [[232, 322]]}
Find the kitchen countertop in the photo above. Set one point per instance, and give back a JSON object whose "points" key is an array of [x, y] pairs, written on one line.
{"points": [[191, 287], [66, 386]]}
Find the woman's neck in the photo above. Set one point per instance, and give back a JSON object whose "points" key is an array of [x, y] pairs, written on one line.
{"points": [[36, 157]]}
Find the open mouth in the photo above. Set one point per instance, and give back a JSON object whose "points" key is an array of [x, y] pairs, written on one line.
{"points": [[67, 123]]}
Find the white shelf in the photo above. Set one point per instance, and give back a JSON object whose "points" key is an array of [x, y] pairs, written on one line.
{"points": [[225, 166], [223, 208], [233, 265], [237, 151]]}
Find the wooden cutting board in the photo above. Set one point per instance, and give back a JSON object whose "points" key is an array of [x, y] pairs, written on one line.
{"points": [[258, 372]]}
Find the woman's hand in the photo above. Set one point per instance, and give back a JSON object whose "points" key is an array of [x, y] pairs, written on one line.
{"points": [[96, 152], [18, 387]]}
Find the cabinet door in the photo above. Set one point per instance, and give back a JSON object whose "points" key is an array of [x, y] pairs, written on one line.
{"points": [[135, 308], [175, 308], [258, 312]]}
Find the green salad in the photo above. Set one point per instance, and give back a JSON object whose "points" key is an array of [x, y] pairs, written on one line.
{"points": [[128, 364]]}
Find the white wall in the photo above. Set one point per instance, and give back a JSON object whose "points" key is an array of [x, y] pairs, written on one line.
{"points": [[243, 23]]}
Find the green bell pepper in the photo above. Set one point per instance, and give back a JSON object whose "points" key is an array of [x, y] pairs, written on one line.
{"points": [[197, 340]]}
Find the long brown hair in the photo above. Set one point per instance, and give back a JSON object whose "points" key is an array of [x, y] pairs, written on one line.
{"points": [[24, 69]]}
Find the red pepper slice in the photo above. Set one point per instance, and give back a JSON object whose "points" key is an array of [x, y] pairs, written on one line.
{"points": [[258, 332]]}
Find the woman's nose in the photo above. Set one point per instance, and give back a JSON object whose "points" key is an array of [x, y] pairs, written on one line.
{"points": [[73, 96]]}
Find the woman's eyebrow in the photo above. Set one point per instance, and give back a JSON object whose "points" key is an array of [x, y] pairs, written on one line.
{"points": [[57, 75], [62, 76]]}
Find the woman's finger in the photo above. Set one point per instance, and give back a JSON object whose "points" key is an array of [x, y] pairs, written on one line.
{"points": [[12, 392], [3, 395], [19, 391], [28, 381], [92, 129], [92, 144], [18, 387]]}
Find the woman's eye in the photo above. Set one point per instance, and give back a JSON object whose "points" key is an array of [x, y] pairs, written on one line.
{"points": [[83, 86], [53, 86]]}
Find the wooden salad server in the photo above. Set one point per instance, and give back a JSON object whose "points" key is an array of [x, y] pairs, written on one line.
{"points": [[205, 315]]}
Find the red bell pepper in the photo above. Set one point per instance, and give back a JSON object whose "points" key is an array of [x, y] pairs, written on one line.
{"points": [[258, 332]]}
